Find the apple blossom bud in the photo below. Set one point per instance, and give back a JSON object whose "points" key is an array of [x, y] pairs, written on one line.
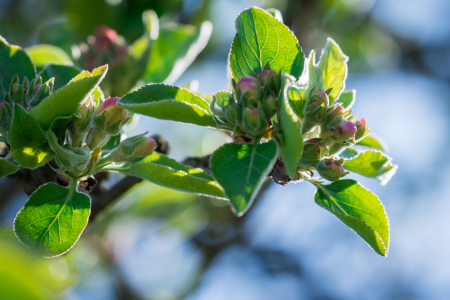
{"points": [[316, 107], [270, 106], [313, 150], [331, 169], [36, 88], [105, 37], [343, 129], [335, 112], [248, 87], [131, 150], [361, 129], [113, 112]]}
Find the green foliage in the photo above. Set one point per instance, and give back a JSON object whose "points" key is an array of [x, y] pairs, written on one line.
{"points": [[166, 172], [373, 141], [13, 61], [47, 54], [62, 74], [357, 208], [347, 98], [53, 219], [28, 142], [334, 65], [241, 169], [373, 164], [291, 139], [72, 95], [261, 38], [7, 167], [169, 103], [174, 50]]}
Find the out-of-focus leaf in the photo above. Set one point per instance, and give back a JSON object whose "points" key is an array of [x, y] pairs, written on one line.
{"points": [[373, 141], [62, 74], [47, 54], [7, 167], [347, 98]]}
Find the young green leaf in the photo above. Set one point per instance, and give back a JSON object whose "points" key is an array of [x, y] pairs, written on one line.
{"points": [[62, 74], [28, 142], [373, 141], [347, 98], [166, 172], [67, 156], [348, 153], [261, 38], [169, 103], [291, 137], [65, 101], [297, 100], [359, 209], [47, 54], [373, 164], [174, 50], [334, 65], [13, 61], [53, 219], [316, 80], [241, 169], [7, 167]]}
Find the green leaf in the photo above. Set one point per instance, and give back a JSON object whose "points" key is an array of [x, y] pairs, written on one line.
{"points": [[169, 103], [62, 74], [373, 141], [373, 164], [316, 80], [7, 167], [347, 98], [261, 38], [47, 54], [241, 169], [175, 49], [166, 172], [53, 219], [13, 61], [297, 99], [359, 209], [334, 65], [65, 101], [291, 138], [66, 156], [28, 142], [348, 153]]}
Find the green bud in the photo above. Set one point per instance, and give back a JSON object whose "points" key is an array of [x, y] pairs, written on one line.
{"points": [[131, 150], [361, 129], [331, 169], [232, 113], [316, 107], [313, 151], [254, 121], [270, 106], [271, 80]]}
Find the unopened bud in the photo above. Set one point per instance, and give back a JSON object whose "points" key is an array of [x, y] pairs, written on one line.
{"points": [[270, 79], [344, 130], [270, 105], [248, 87], [2, 103], [83, 124], [336, 111], [331, 169], [105, 37], [317, 106], [232, 113], [361, 129], [313, 150], [36, 88], [131, 150], [113, 113]]}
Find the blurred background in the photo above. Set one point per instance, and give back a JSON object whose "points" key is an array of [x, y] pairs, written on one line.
{"points": [[156, 243]]}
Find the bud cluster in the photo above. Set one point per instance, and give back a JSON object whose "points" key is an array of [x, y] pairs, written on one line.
{"points": [[252, 104], [329, 129], [105, 46], [28, 94]]}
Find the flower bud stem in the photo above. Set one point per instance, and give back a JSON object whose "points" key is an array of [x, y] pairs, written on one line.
{"points": [[97, 138]]}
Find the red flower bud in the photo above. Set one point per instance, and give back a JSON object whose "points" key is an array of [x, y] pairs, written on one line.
{"points": [[36, 88], [265, 76], [105, 37]]}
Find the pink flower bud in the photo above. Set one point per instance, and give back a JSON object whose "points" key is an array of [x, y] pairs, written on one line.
{"points": [[344, 130], [313, 151], [105, 37], [146, 147], [265, 76], [36, 88], [249, 85], [361, 129], [338, 111], [112, 111], [251, 115], [331, 169], [317, 100]]}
